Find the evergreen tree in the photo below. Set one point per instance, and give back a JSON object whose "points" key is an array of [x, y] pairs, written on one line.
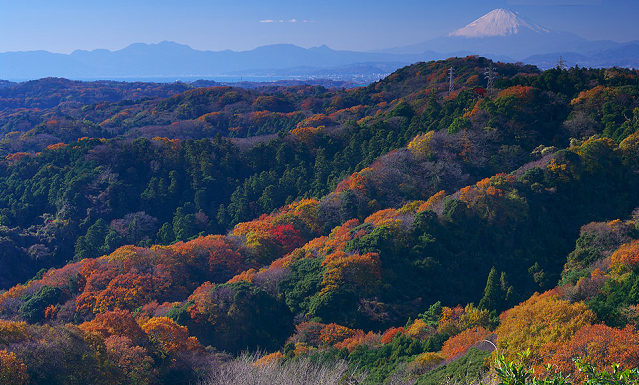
{"points": [[492, 299]]}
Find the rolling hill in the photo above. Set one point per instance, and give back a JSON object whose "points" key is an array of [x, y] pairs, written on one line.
{"points": [[393, 227]]}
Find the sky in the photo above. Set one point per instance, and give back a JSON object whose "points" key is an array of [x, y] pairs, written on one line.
{"points": [[63, 26]]}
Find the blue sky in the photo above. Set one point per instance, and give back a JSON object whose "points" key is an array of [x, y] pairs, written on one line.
{"points": [[66, 25]]}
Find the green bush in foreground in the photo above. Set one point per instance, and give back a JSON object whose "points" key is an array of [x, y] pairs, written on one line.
{"points": [[511, 373]]}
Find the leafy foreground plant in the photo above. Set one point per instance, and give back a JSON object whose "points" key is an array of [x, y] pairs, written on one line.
{"points": [[512, 373], [248, 369]]}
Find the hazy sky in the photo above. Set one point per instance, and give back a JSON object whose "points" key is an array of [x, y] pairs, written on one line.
{"points": [[66, 25]]}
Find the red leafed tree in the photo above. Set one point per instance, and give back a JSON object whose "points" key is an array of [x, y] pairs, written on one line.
{"points": [[389, 334], [288, 237]]}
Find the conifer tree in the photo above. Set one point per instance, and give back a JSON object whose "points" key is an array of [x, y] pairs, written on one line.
{"points": [[492, 293]]}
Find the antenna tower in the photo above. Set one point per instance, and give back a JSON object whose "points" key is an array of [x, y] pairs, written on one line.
{"points": [[561, 63], [490, 75], [451, 85]]}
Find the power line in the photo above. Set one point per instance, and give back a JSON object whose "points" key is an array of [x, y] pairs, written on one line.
{"points": [[561, 63], [490, 75]]}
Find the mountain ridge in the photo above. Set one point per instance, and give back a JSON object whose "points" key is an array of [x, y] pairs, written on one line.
{"points": [[174, 59], [499, 35]]}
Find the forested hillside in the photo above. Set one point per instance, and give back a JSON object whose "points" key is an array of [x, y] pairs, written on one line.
{"points": [[393, 226]]}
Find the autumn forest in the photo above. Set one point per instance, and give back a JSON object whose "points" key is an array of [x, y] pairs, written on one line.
{"points": [[395, 233]]}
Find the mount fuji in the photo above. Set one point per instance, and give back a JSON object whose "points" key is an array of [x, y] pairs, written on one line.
{"points": [[500, 22], [502, 32]]}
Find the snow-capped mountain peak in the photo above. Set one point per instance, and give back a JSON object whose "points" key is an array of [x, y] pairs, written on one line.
{"points": [[499, 22]]}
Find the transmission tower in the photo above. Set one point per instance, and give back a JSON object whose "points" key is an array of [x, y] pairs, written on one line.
{"points": [[561, 63], [451, 75], [490, 75]]}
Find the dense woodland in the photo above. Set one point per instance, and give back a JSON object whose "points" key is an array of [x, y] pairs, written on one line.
{"points": [[397, 232]]}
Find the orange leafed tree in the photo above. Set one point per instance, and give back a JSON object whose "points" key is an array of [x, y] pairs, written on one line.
{"points": [[247, 275], [307, 210], [12, 370], [542, 324], [259, 236], [418, 329], [116, 323], [338, 237], [355, 273], [202, 303], [308, 333], [356, 182], [129, 291], [592, 97], [15, 157], [627, 256], [432, 202], [359, 338], [132, 360], [332, 334], [50, 312], [601, 345], [167, 337], [424, 362], [223, 258], [449, 319], [12, 332], [55, 146], [382, 217], [524, 93], [306, 134], [458, 345], [315, 121], [269, 359]]}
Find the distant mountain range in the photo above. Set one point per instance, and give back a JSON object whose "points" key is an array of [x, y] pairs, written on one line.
{"points": [[500, 35], [169, 59]]}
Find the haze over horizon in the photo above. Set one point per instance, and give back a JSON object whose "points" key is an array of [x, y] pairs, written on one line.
{"points": [[358, 25]]}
